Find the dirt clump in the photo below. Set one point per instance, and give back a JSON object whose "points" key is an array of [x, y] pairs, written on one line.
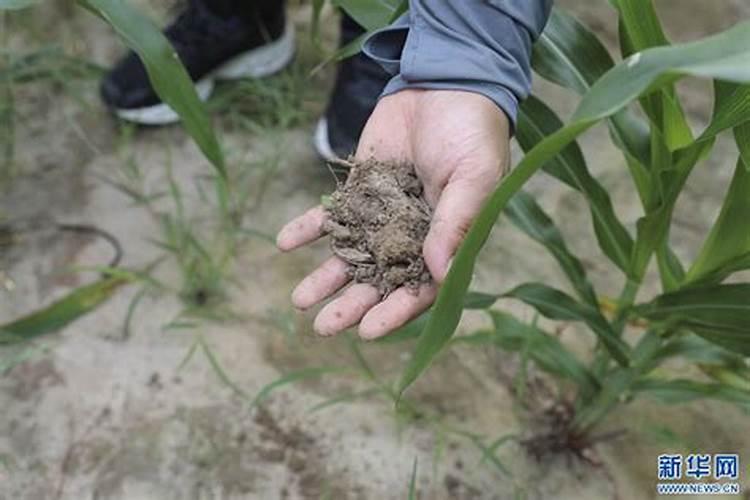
{"points": [[378, 220]]}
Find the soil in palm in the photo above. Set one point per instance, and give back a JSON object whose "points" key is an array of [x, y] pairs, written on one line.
{"points": [[378, 220]]}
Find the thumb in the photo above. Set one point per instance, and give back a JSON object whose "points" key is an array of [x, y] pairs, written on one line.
{"points": [[458, 205]]}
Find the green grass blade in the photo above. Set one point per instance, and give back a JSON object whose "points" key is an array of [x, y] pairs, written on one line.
{"points": [[190, 354], [296, 376], [9, 362], [317, 9], [413, 481], [219, 370], [17, 4], [490, 451], [61, 312], [345, 398], [167, 74], [488, 454], [135, 301]]}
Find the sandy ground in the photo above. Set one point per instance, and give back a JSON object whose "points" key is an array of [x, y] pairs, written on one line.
{"points": [[98, 414]]}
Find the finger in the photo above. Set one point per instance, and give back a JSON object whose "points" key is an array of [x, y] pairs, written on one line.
{"points": [[396, 310], [347, 310], [321, 283], [305, 229], [459, 203]]}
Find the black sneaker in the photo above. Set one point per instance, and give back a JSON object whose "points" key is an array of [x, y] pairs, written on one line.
{"points": [[211, 47], [359, 83]]}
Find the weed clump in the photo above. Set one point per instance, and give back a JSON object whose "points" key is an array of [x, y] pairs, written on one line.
{"points": [[378, 220]]}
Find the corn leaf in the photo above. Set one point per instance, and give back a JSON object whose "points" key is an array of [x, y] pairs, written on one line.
{"points": [[677, 132], [698, 350], [618, 382], [641, 24], [544, 349], [683, 391], [731, 108], [61, 312], [653, 228], [737, 376], [478, 300], [557, 305], [718, 313], [167, 74], [528, 216], [371, 14], [742, 137], [409, 331], [728, 239], [412, 330], [537, 121], [725, 56], [570, 55], [671, 270], [641, 30]]}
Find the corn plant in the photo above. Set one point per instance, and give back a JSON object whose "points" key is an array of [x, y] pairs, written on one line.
{"points": [[697, 315]]}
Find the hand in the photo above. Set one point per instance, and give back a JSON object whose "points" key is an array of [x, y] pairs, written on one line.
{"points": [[458, 142]]}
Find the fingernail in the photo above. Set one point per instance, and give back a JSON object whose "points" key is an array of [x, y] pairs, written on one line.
{"points": [[297, 300], [323, 332], [280, 239]]}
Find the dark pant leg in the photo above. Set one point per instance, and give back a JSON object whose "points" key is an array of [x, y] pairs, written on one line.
{"points": [[359, 83], [267, 11]]}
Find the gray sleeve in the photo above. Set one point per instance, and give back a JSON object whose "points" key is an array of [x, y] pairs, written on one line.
{"points": [[481, 46]]}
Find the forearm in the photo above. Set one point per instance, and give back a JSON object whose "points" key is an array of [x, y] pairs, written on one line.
{"points": [[481, 46]]}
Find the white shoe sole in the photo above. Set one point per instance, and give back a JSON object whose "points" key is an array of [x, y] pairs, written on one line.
{"points": [[322, 142], [257, 63]]}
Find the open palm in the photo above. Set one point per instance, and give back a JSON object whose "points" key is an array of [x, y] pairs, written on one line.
{"points": [[458, 142]]}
